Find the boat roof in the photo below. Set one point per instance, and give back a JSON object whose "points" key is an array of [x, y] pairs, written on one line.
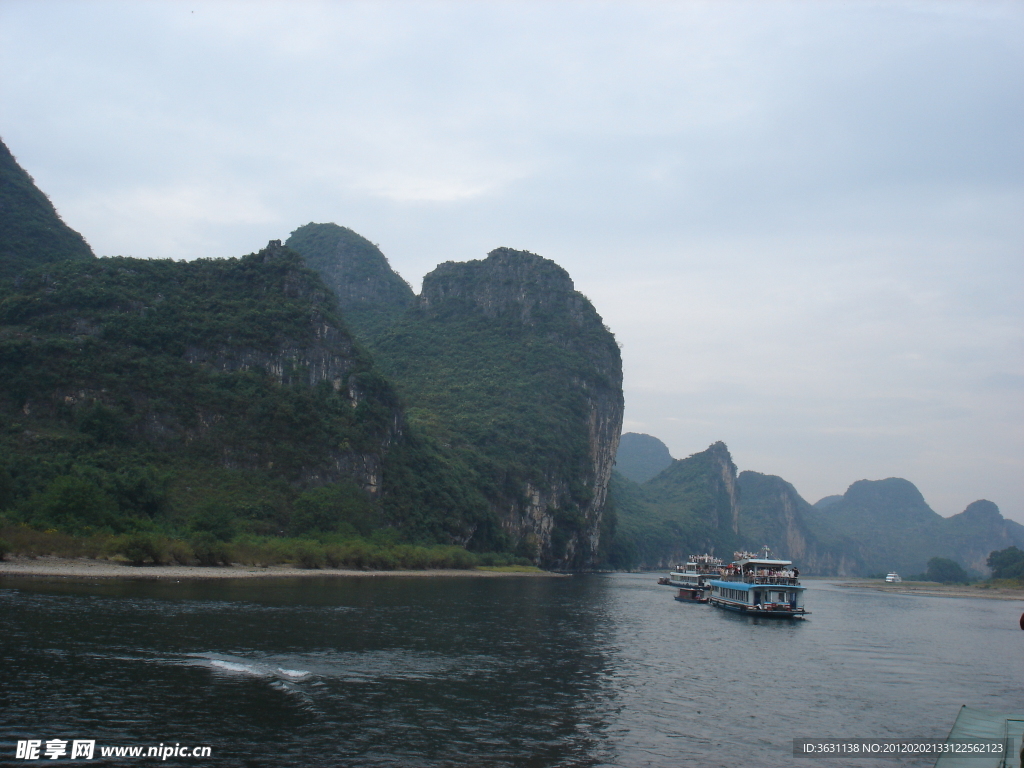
{"points": [[762, 561], [982, 724], [745, 586]]}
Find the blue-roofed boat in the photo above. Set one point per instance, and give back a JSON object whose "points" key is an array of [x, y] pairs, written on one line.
{"points": [[759, 585]]}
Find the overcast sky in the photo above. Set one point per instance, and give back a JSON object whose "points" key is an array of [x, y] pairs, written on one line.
{"points": [[804, 221]]}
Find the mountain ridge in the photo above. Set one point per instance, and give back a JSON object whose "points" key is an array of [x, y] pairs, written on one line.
{"points": [[876, 526], [31, 231]]}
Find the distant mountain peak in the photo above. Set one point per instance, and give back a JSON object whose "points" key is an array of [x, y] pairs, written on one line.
{"points": [[32, 233], [828, 501], [982, 510], [507, 284], [640, 457], [370, 293], [892, 490]]}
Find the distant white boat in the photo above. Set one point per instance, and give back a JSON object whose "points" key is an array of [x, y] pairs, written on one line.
{"points": [[893, 578]]}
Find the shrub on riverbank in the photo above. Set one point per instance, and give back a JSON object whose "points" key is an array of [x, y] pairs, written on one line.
{"points": [[375, 554]]}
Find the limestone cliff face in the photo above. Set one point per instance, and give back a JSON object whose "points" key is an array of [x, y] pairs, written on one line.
{"points": [[325, 353], [980, 530], [773, 513], [723, 487], [265, 314], [521, 373]]}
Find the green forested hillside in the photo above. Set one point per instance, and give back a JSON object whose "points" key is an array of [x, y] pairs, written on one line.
{"points": [[227, 398], [688, 508], [31, 231], [137, 393], [370, 294], [699, 505], [504, 364]]}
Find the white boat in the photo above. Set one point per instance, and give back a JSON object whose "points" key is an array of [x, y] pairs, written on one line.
{"points": [[692, 578], [893, 578], [694, 573], [760, 585]]}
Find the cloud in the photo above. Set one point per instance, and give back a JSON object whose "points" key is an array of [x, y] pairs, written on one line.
{"points": [[801, 219]]}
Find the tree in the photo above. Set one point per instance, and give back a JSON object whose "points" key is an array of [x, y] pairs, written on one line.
{"points": [[1006, 563], [945, 571]]}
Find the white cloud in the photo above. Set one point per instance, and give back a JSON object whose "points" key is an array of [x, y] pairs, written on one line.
{"points": [[801, 219]]}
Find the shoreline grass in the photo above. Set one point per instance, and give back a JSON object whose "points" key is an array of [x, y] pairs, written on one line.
{"points": [[324, 552]]}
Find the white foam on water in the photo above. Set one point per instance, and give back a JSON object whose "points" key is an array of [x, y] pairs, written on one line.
{"points": [[231, 666], [294, 673]]}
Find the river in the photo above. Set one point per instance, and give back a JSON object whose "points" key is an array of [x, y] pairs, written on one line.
{"points": [[595, 670]]}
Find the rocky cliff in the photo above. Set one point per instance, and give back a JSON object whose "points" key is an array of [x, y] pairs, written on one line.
{"points": [[692, 506], [773, 513], [238, 364], [513, 370]]}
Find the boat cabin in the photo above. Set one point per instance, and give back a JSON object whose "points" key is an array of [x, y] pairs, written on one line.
{"points": [[696, 572], [760, 584]]}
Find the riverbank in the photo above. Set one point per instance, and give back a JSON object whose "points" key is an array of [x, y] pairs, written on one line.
{"points": [[933, 589], [84, 568]]}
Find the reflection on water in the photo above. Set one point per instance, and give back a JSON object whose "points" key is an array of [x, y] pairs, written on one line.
{"points": [[603, 670]]}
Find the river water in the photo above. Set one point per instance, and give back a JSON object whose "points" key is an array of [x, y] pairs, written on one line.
{"points": [[596, 670]]}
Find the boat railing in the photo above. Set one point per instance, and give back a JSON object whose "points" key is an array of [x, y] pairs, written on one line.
{"points": [[780, 580]]}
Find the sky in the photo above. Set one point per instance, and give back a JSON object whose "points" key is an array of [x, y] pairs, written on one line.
{"points": [[802, 220]]}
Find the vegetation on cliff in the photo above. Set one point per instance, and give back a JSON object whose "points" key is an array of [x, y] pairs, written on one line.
{"points": [[876, 526], [370, 294], [507, 370], [641, 457], [214, 401], [220, 397], [510, 369], [31, 231], [689, 507]]}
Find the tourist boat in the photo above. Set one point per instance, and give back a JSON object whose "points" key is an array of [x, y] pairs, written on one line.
{"points": [[893, 578], [759, 585], [694, 573]]}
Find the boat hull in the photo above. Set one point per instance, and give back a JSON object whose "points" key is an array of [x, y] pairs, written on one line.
{"points": [[752, 611]]}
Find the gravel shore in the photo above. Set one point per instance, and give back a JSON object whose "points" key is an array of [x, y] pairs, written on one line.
{"points": [[105, 569], [931, 589]]}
